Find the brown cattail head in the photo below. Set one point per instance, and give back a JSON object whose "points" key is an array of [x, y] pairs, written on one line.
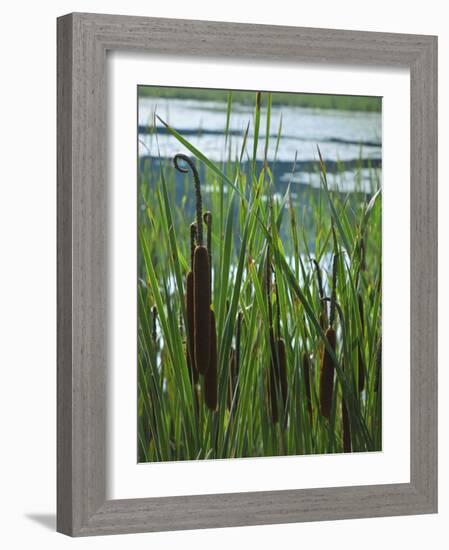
{"points": [[201, 308], [327, 375], [190, 347], [306, 371], [278, 383], [210, 377]]}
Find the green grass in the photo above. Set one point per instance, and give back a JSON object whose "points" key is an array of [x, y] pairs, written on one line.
{"points": [[316, 101], [173, 421]]}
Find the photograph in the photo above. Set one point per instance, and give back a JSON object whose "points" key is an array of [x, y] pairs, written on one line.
{"points": [[259, 274]]}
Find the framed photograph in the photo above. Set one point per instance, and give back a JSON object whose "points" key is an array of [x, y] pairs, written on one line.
{"points": [[247, 274]]}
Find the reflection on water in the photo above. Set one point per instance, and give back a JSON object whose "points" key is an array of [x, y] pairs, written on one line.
{"points": [[342, 136], [350, 143]]}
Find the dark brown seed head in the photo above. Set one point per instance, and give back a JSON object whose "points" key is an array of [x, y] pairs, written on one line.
{"points": [[201, 309], [306, 371], [210, 377], [190, 347], [327, 375]]}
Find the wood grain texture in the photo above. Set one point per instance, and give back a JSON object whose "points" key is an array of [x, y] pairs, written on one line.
{"points": [[83, 40]]}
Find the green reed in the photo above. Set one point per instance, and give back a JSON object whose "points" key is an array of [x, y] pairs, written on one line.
{"points": [[257, 389]]}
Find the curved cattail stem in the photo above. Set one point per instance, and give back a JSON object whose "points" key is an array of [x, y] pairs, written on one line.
{"points": [[201, 309], [346, 428], [361, 361], [196, 179], [305, 363], [327, 374], [210, 377]]}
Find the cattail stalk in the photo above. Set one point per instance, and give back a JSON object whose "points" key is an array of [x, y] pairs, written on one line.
{"points": [[327, 374], [190, 348], [201, 278]]}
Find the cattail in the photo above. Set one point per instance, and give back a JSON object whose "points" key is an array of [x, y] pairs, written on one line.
{"points": [[306, 370], [201, 278], [361, 362], [210, 377], [346, 428], [327, 374], [190, 348], [202, 316]]}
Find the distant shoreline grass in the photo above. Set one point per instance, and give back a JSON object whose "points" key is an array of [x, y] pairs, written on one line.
{"points": [[315, 101]]}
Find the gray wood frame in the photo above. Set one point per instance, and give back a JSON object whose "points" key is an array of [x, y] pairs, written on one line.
{"points": [[83, 40]]}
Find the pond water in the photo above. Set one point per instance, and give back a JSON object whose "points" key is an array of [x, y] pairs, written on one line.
{"points": [[350, 142]]}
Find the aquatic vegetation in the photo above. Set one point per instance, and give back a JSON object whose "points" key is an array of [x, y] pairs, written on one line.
{"points": [[259, 311]]}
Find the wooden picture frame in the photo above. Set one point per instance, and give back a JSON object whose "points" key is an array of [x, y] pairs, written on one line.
{"points": [[83, 40]]}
